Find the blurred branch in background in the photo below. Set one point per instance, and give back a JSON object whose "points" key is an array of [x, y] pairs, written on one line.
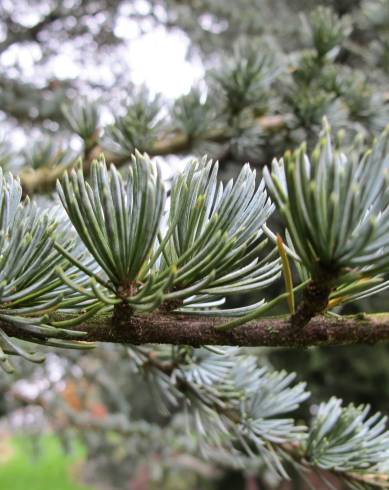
{"points": [[43, 179]]}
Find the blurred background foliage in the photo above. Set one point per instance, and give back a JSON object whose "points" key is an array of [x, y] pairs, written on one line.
{"points": [[265, 72]]}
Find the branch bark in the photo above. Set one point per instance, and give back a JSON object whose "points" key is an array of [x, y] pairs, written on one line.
{"points": [[157, 328]]}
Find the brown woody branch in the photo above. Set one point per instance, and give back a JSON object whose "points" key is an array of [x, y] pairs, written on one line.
{"points": [[44, 178], [315, 297], [157, 328]]}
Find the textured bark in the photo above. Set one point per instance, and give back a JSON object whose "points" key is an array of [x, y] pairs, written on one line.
{"points": [[314, 301], [196, 331]]}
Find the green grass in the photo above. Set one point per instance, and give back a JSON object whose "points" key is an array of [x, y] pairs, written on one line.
{"points": [[48, 470]]}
